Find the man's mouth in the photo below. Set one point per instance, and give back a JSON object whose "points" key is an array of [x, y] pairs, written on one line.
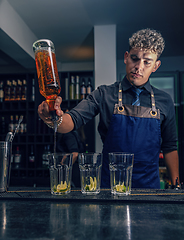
{"points": [[136, 75]]}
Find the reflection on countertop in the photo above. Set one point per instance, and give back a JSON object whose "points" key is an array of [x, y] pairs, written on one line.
{"points": [[35, 214]]}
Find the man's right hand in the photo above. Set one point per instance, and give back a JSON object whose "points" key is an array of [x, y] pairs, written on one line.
{"points": [[43, 110], [67, 124]]}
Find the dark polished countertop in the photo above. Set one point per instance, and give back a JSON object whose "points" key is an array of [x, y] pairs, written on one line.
{"points": [[33, 213]]}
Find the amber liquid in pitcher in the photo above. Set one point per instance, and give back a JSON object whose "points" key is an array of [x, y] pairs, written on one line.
{"points": [[48, 78]]}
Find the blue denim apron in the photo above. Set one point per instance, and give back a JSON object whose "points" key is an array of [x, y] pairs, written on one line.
{"points": [[135, 129]]}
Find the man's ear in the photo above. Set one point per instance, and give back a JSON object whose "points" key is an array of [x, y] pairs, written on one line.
{"points": [[125, 57], [157, 65]]}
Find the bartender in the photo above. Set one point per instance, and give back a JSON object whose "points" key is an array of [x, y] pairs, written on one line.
{"points": [[135, 117]]}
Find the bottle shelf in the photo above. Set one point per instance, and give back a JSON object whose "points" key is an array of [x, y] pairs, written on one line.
{"points": [[35, 134], [13, 106]]}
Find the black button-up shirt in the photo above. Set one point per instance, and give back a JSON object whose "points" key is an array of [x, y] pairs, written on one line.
{"points": [[102, 100]]}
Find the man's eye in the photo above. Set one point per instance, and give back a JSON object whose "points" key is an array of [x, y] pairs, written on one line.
{"points": [[135, 59], [147, 63]]}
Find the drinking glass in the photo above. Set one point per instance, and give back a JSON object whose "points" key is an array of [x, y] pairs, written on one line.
{"points": [[121, 165], [60, 165], [90, 172]]}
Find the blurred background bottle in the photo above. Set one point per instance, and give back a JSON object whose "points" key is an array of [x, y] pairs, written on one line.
{"points": [[31, 163], [83, 89], [77, 88], [66, 88], [16, 122], [1, 91], [7, 91], [18, 90], [45, 159], [24, 91], [13, 90], [89, 86], [25, 124], [72, 88], [17, 158], [3, 125], [86, 148], [22, 126], [11, 124], [33, 91]]}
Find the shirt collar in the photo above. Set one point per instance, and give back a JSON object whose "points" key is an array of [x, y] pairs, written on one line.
{"points": [[126, 85]]}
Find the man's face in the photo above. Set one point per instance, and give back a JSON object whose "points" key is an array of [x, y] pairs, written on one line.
{"points": [[139, 66]]}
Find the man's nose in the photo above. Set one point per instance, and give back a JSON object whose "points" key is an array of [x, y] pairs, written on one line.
{"points": [[139, 65]]}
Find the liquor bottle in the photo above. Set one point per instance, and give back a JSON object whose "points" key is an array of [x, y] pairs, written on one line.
{"points": [[162, 181], [24, 91], [87, 148], [44, 157], [7, 91], [89, 86], [33, 90], [83, 89], [72, 88], [3, 125], [12, 157], [66, 88], [13, 91], [1, 92], [31, 158], [18, 90], [17, 158], [39, 125], [77, 88], [47, 158], [16, 122], [22, 126], [48, 78], [25, 125], [11, 124]]}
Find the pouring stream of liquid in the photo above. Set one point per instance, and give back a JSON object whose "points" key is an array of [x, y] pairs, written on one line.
{"points": [[55, 131]]}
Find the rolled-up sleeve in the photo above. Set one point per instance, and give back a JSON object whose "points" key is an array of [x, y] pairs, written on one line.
{"points": [[86, 109]]}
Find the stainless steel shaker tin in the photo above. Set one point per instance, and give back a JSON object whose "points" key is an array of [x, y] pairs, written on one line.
{"points": [[5, 164]]}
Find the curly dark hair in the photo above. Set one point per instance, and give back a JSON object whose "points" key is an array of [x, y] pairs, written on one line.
{"points": [[147, 40]]}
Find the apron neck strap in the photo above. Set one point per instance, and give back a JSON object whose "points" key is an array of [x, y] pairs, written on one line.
{"points": [[152, 98], [120, 95], [153, 101]]}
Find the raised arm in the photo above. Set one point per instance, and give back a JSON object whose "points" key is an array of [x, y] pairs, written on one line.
{"points": [[66, 125]]}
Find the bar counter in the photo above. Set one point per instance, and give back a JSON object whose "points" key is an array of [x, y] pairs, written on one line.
{"points": [[33, 213]]}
